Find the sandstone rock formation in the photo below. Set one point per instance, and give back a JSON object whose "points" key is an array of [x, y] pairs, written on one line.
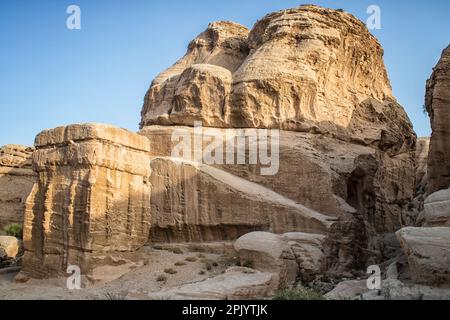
{"points": [[428, 253], [304, 69], [92, 197], [437, 102], [16, 180], [437, 209], [317, 74]]}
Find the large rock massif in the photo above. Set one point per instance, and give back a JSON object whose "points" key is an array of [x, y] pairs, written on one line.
{"points": [[318, 75], [16, 180]]}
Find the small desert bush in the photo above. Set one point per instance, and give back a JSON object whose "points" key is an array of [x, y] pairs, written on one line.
{"points": [[161, 278], [177, 251], [248, 264], [191, 259], [299, 293], [14, 230], [201, 272], [114, 296], [170, 271], [180, 263]]}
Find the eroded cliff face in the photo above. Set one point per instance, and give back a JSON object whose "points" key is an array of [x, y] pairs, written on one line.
{"points": [[437, 102], [16, 180], [92, 197]]}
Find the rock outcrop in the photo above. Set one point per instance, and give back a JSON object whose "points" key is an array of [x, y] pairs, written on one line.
{"points": [[92, 196], [428, 253], [306, 69], [318, 75], [16, 180], [437, 102], [422, 151], [437, 209]]}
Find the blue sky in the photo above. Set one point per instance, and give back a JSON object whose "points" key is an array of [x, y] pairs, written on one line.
{"points": [[51, 76]]}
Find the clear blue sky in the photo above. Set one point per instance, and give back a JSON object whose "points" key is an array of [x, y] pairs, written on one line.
{"points": [[51, 76]]}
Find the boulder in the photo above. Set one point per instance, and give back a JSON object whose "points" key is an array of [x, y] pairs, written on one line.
{"points": [[346, 290], [16, 181], [308, 252], [437, 209], [11, 246], [437, 102], [236, 283], [268, 252], [428, 253], [92, 196]]}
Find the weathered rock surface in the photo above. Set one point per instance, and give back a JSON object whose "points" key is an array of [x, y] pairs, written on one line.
{"points": [[194, 202], [437, 209], [344, 174], [428, 253], [92, 197], [303, 69], [437, 102], [16, 180], [308, 252], [10, 245], [198, 85], [269, 253], [235, 284]]}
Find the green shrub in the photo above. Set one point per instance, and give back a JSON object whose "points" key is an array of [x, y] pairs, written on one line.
{"points": [[177, 251], [14, 230], [161, 278], [170, 271], [191, 259], [299, 293], [114, 296]]}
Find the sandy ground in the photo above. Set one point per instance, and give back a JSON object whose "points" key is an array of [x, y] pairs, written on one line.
{"points": [[190, 265]]}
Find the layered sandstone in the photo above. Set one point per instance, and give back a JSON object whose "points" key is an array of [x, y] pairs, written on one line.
{"points": [[437, 102], [16, 180], [304, 69], [92, 197]]}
